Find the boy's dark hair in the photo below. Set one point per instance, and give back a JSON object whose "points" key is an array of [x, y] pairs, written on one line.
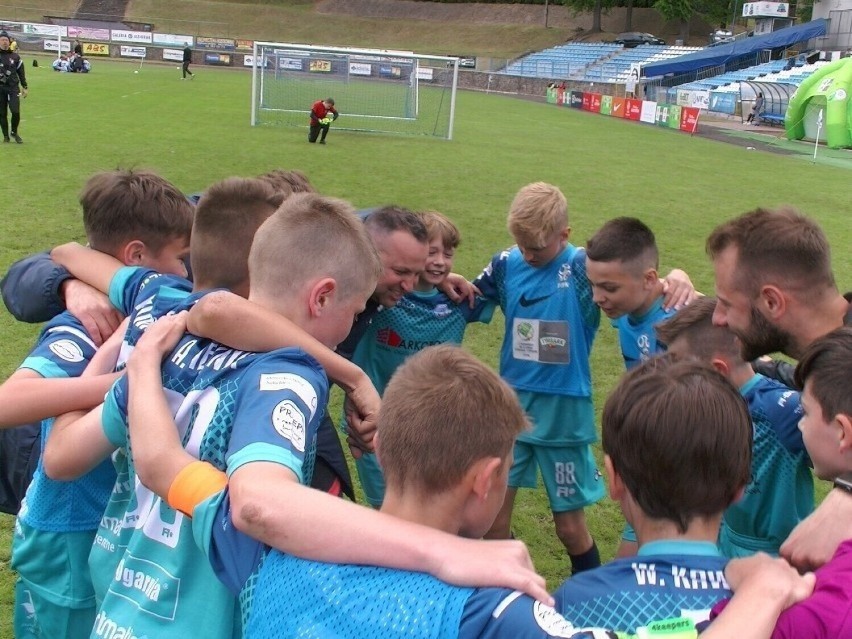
{"points": [[624, 239], [827, 367], [459, 400], [679, 435], [694, 324], [124, 205], [329, 101], [388, 219], [775, 246], [226, 219], [288, 181]]}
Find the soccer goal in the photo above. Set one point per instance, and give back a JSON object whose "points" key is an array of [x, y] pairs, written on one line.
{"points": [[375, 90]]}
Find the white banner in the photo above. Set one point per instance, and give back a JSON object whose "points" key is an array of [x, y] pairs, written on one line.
{"points": [[289, 63], [649, 112], [248, 60], [131, 36], [356, 68], [173, 40], [697, 99], [45, 29], [133, 52], [424, 73], [766, 9], [175, 55], [53, 45]]}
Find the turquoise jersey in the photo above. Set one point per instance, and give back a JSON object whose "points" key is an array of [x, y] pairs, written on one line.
{"points": [[637, 336], [781, 491]]}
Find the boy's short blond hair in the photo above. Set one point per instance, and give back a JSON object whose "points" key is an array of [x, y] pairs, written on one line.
{"points": [[538, 211], [227, 217], [442, 411], [439, 225], [309, 237], [124, 205]]}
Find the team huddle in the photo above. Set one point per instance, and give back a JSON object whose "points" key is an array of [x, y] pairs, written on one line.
{"points": [[190, 478]]}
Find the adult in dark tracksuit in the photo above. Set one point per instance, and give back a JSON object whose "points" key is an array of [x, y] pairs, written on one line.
{"points": [[322, 114], [187, 59], [13, 82]]}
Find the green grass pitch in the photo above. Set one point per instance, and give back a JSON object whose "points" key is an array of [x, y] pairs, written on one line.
{"points": [[195, 133]]}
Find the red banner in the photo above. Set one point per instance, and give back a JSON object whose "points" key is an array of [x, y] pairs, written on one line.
{"points": [[596, 103], [587, 101], [689, 119], [633, 109], [619, 107]]}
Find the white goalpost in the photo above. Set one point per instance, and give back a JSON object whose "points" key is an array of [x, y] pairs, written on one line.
{"points": [[397, 92]]}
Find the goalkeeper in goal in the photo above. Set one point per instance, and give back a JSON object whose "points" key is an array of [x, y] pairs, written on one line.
{"points": [[323, 114]]}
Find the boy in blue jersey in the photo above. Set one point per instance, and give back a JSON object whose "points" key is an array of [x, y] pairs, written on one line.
{"points": [[423, 317], [621, 264], [781, 491], [223, 229], [255, 414], [551, 322], [677, 444], [138, 218]]}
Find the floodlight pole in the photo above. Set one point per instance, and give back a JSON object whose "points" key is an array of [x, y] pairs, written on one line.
{"points": [[546, 12], [733, 17]]}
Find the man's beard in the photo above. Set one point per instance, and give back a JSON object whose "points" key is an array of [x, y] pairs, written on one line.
{"points": [[762, 338]]}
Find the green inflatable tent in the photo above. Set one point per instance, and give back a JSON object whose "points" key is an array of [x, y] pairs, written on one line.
{"points": [[827, 92]]}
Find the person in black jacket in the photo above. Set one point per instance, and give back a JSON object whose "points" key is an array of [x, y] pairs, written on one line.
{"points": [[187, 59], [13, 84]]}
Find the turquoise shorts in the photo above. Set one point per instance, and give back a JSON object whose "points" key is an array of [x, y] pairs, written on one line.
{"points": [[571, 476], [372, 479], [54, 595]]}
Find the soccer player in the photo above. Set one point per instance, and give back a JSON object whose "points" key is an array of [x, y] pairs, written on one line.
{"points": [[322, 114], [776, 292], [423, 317], [187, 60], [551, 322], [781, 491], [677, 444], [824, 373], [138, 218], [13, 80], [621, 264]]}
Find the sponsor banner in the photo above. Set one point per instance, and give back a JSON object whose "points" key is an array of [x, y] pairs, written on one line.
{"points": [[575, 100], [606, 105], [766, 9], [225, 44], [723, 102], [425, 73], [596, 103], [88, 33], [218, 59], [662, 116], [175, 55], [133, 52], [648, 112], [619, 107], [142, 37], [633, 109], [244, 45], [53, 45], [44, 30], [689, 119], [697, 99], [173, 40], [290, 63], [674, 116], [587, 101], [319, 66], [95, 48], [357, 68], [385, 70], [551, 96], [248, 61]]}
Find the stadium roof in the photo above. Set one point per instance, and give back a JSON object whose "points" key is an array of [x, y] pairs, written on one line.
{"points": [[714, 56]]}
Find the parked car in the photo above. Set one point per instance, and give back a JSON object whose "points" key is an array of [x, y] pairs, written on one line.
{"points": [[634, 39]]}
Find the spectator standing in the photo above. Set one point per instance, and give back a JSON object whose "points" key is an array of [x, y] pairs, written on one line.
{"points": [[13, 85]]}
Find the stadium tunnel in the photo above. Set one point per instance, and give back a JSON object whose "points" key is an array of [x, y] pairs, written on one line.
{"points": [[821, 106]]}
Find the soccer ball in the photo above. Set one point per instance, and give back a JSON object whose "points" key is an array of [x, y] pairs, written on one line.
{"points": [[325, 121], [137, 71]]}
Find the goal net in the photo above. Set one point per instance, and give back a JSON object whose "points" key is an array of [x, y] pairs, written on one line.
{"points": [[374, 90]]}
